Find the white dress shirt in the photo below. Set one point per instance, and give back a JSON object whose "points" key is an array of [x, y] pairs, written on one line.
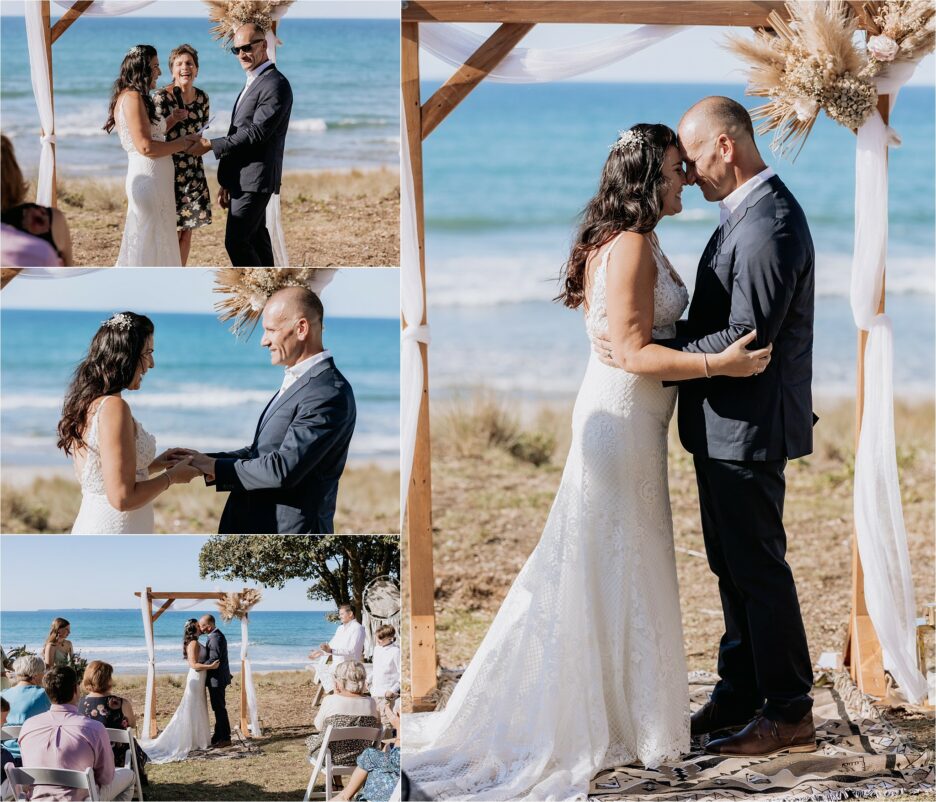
{"points": [[727, 205], [299, 370], [252, 76], [386, 670], [348, 643]]}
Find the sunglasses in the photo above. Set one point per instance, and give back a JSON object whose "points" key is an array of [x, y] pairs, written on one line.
{"points": [[244, 48]]}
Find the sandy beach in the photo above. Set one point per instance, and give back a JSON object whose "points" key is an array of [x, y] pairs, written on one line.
{"points": [[46, 500], [349, 218], [491, 501]]}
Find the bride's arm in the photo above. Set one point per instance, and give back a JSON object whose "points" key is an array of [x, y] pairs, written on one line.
{"points": [[118, 462], [192, 656], [631, 275], [138, 123]]}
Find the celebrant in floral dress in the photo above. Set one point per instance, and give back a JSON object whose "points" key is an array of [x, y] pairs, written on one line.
{"points": [[193, 203]]}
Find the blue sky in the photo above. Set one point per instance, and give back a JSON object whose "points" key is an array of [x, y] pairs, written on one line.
{"points": [[164, 562], [354, 292], [346, 9], [695, 55]]}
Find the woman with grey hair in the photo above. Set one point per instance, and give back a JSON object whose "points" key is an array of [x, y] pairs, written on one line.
{"points": [[27, 698]]}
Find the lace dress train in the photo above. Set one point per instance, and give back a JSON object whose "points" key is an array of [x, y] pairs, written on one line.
{"points": [[583, 667]]}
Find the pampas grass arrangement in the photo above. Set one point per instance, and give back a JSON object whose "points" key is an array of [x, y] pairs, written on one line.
{"points": [[237, 605], [248, 289], [229, 15], [905, 30]]}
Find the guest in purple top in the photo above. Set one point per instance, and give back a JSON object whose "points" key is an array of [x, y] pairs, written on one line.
{"points": [[26, 698], [64, 739]]}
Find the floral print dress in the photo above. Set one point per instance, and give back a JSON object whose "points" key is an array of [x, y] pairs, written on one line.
{"points": [[193, 204], [109, 711]]}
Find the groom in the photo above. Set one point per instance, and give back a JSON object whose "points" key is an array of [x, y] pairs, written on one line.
{"points": [[286, 481], [756, 273], [250, 157], [218, 679]]}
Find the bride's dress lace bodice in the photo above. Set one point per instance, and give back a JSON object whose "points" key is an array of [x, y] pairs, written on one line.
{"points": [[96, 515], [157, 130], [583, 667]]}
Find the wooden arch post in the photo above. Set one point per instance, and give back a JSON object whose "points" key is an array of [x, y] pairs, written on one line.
{"points": [[516, 18], [168, 598]]}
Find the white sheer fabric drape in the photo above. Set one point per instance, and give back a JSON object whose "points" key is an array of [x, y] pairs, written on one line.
{"points": [[274, 215], [146, 609], [454, 44], [108, 8], [879, 521], [40, 72], [253, 717], [56, 272]]}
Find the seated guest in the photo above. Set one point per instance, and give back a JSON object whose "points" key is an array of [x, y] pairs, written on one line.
{"points": [[6, 661], [26, 698], [385, 682], [348, 706], [377, 772], [58, 649], [114, 712], [41, 223], [348, 641], [6, 756], [64, 739]]}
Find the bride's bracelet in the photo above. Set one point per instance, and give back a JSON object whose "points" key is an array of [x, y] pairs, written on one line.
{"points": [[705, 362], [169, 479]]}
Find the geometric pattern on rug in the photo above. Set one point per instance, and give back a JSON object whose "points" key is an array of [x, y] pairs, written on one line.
{"points": [[860, 755]]}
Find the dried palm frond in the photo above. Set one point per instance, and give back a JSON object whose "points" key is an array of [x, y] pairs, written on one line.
{"points": [[807, 63], [249, 288], [237, 605], [229, 15]]}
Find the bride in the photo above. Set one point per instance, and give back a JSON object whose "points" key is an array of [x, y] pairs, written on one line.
{"points": [[188, 729], [149, 235], [583, 667], [113, 454]]}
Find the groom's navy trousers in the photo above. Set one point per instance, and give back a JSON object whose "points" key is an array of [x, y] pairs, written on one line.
{"points": [[246, 238], [757, 273]]}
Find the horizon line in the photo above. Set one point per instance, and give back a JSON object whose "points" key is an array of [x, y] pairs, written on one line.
{"points": [[183, 312]]}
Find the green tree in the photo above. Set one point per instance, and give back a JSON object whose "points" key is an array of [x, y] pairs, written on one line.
{"points": [[337, 566]]}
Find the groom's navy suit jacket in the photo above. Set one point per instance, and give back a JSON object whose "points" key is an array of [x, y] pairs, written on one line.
{"points": [[219, 677], [250, 157], [757, 272], [286, 481]]}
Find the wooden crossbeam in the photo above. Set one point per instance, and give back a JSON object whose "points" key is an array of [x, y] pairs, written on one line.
{"points": [[68, 18], [477, 67], [165, 606], [166, 594], [692, 12]]}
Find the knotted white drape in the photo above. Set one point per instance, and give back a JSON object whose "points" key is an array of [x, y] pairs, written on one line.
{"points": [[253, 717], [274, 216], [146, 609], [455, 44], [879, 521]]}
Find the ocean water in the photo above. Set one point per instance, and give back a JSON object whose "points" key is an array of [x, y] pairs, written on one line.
{"points": [[344, 75], [279, 641], [207, 390], [508, 172]]}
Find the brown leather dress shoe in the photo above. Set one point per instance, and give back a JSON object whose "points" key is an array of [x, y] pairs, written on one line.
{"points": [[764, 737], [712, 717]]}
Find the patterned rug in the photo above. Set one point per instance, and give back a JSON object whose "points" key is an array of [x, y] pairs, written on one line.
{"points": [[860, 755]]}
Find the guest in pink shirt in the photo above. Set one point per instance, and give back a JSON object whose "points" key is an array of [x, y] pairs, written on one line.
{"points": [[64, 739]]}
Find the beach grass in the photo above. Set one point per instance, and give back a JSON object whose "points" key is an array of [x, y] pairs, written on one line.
{"points": [[349, 218], [368, 501], [281, 770], [490, 502]]}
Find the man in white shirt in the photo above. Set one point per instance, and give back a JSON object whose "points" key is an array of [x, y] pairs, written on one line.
{"points": [[348, 640]]}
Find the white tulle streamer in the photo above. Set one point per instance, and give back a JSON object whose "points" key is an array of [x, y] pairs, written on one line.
{"points": [[146, 609], [40, 72], [455, 44], [108, 8], [56, 272], [253, 717], [879, 521], [274, 215]]}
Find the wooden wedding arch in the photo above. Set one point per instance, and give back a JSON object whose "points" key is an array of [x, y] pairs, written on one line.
{"points": [[516, 18], [168, 598]]}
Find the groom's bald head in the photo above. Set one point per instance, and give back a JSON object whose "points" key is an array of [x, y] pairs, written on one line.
{"points": [[292, 325]]}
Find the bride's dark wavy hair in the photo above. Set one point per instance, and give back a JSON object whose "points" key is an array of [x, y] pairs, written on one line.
{"points": [[108, 368], [189, 633], [135, 73], [629, 198]]}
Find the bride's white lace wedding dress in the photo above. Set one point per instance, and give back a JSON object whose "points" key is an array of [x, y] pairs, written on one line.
{"points": [[96, 516], [149, 235], [188, 729], [583, 667]]}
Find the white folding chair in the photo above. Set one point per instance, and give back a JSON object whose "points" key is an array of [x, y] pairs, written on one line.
{"points": [[21, 779], [323, 762], [118, 736], [10, 732], [320, 690]]}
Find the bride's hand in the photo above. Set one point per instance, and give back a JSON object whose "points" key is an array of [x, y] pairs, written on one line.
{"points": [[168, 458], [182, 472], [737, 361], [602, 347]]}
